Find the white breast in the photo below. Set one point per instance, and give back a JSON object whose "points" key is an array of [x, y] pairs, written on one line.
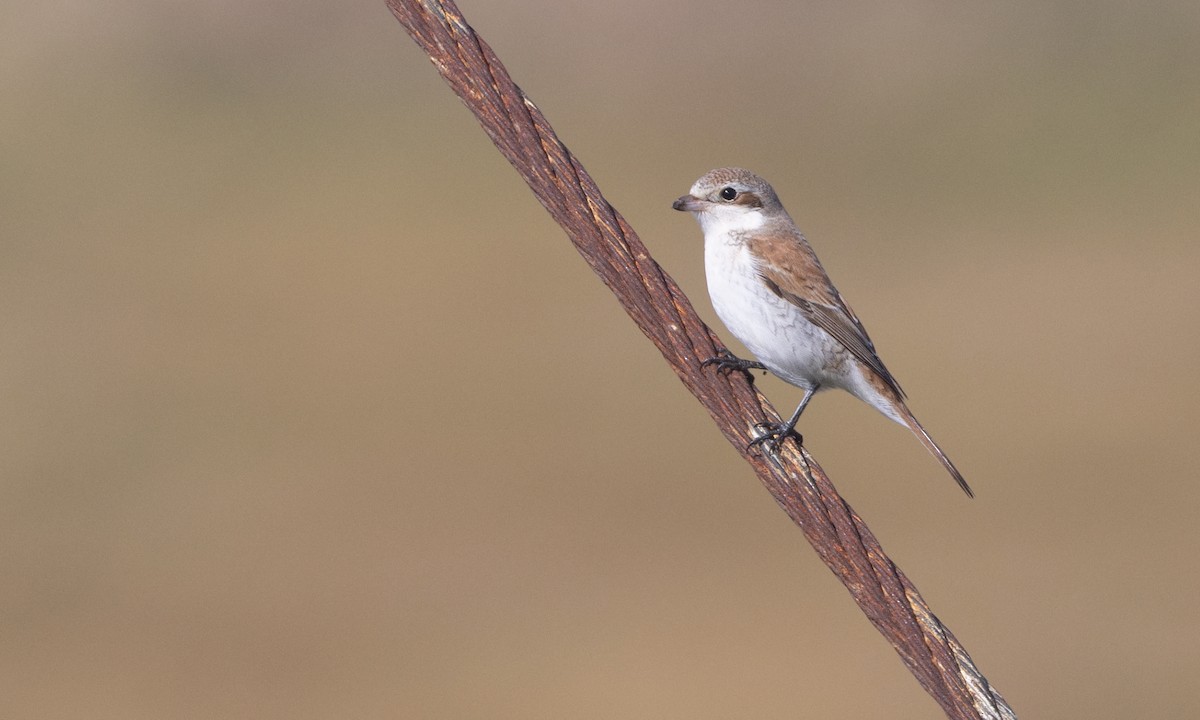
{"points": [[774, 330]]}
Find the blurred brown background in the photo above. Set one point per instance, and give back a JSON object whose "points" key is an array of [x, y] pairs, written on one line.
{"points": [[310, 411]]}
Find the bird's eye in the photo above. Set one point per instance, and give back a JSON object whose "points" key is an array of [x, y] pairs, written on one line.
{"points": [[728, 193]]}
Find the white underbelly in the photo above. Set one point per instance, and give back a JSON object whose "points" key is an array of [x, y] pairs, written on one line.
{"points": [[774, 330]]}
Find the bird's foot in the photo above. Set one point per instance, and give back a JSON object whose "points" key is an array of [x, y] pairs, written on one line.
{"points": [[727, 362], [772, 436]]}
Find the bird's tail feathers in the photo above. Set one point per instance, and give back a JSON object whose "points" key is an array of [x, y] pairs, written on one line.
{"points": [[933, 448]]}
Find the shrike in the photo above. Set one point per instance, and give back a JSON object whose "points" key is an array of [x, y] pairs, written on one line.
{"points": [[770, 290]]}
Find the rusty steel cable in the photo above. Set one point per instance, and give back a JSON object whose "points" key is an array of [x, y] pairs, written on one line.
{"points": [[614, 251]]}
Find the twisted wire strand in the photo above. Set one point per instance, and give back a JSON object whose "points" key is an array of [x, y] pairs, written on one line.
{"points": [[661, 310]]}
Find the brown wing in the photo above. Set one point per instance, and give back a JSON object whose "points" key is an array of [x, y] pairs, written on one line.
{"points": [[790, 269]]}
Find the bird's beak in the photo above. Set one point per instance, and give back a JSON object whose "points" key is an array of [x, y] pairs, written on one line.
{"points": [[688, 203]]}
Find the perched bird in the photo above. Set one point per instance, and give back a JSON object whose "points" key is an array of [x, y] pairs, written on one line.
{"points": [[770, 290]]}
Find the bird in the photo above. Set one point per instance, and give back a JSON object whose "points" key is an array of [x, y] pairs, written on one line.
{"points": [[771, 291]]}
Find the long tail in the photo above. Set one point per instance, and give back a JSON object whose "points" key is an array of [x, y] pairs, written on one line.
{"points": [[932, 447]]}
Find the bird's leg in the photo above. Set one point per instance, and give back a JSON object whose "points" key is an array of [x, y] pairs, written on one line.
{"points": [[727, 362], [774, 433]]}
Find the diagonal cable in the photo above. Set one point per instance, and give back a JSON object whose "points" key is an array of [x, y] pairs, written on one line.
{"points": [[652, 299]]}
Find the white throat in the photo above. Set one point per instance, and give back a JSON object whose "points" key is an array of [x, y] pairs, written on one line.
{"points": [[729, 222]]}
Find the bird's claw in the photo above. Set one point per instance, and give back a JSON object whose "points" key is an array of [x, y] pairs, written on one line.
{"points": [[727, 362], [773, 435]]}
